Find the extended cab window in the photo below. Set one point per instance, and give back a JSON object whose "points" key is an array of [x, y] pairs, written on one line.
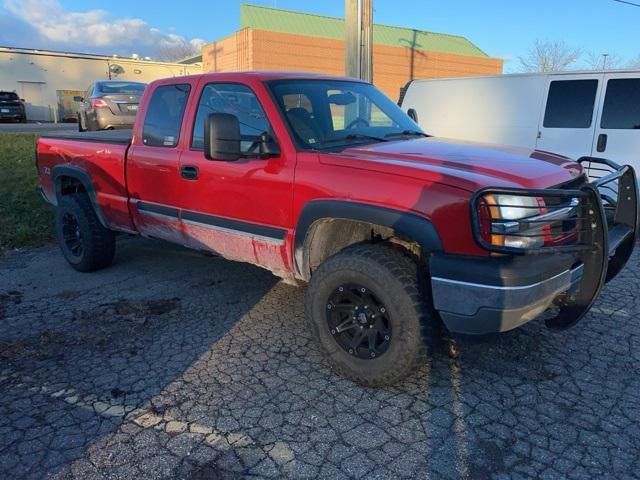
{"points": [[621, 108], [164, 115], [570, 104], [236, 99]]}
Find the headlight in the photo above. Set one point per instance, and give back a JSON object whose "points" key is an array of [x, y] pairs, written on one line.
{"points": [[501, 217], [525, 221], [515, 207]]}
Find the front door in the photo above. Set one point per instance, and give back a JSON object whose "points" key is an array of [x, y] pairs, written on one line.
{"points": [[153, 165], [618, 123], [240, 209], [567, 125]]}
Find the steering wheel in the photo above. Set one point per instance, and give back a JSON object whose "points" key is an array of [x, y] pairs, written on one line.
{"points": [[355, 122]]}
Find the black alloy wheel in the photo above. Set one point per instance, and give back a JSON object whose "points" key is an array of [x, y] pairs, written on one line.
{"points": [[71, 234], [358, 321], [369, 307], [85, 243]]}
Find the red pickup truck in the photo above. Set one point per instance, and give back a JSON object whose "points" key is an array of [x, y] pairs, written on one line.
{"points": [[325, 180]]}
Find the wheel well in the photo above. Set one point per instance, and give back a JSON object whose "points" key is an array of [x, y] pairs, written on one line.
{"points": [[68, 185], [328, 236]]}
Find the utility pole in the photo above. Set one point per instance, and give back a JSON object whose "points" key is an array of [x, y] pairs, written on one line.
{"points": [[358, 20]]}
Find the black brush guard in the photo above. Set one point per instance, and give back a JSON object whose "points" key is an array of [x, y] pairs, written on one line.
{"points": [[604, 221]]}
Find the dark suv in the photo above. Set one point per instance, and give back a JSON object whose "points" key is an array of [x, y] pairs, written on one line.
{"points": [[109, 104], [12, 107]]}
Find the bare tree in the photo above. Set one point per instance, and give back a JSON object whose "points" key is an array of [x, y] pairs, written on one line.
{"points": [[635, 63], [602, 61], [170, 52], [547, 56]]}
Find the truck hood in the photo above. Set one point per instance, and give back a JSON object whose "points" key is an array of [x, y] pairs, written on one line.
{"points": [[465, 165]]}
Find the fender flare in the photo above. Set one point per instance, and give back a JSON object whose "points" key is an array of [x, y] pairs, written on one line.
{"points": [[84, 178], [408, 224]]}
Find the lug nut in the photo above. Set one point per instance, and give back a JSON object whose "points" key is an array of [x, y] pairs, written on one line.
{"points": [[382, 309], [370, 326], [329, 307], [593, 225], [363, 290], [386, 337], [373, 354], [333, 332], [340, 289], [351, 351]]}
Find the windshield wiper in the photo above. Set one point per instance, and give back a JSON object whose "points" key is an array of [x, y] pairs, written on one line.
{"points": [[407, 133], [354, 136]]}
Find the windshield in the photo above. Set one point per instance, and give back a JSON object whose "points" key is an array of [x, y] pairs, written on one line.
{"points": [[121, 87], [332, 114], [8, 96]]}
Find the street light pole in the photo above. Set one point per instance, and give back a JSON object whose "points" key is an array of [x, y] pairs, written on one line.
{"points": [[358, 16]]}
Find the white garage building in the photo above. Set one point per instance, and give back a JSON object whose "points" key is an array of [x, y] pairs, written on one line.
{"points": [[48, 80]]}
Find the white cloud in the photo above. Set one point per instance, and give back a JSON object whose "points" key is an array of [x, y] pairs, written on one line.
{"points": [[90, 31]]}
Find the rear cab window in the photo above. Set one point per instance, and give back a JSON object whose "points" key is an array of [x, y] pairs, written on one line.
{"points": [[164, 116], [621, 109], [570, 103]]}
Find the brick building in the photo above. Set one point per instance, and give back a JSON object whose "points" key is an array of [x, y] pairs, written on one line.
{"points": [[274, 39]]}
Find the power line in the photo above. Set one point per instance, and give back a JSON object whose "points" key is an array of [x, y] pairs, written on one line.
{"points": [[627, 3]]}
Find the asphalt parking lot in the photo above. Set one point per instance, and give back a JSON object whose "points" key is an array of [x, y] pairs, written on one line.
{"points": [[171, 364]]}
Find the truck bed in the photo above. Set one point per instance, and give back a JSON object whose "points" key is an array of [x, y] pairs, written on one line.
{"points": [[99, 159], [118, 137]]}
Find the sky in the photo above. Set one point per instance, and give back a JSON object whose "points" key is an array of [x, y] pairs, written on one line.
{"points": [[502, 28]]}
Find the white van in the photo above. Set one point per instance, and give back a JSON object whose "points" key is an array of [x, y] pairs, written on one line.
{"points": [[572, 113]]}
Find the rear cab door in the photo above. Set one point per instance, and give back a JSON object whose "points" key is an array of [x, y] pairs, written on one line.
{"points": [[618, 122], [153, 160], [567, 122]]}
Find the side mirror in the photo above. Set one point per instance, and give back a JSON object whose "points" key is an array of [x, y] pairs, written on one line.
{"points": [[413, 115], [222, 137], [78, 98]]}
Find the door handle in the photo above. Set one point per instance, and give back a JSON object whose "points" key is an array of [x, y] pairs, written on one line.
{"points": [[189, 172], [602, 142]]}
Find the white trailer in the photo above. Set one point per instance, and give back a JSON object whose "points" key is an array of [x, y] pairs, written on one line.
{"points": [[571, 113]]}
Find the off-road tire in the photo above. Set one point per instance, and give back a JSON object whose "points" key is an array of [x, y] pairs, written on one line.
{"points": [[401, 285], [98, 242]]}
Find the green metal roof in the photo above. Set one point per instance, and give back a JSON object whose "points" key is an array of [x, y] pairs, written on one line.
{"points": [[287, 21]]}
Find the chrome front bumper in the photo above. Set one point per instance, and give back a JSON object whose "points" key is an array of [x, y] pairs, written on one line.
{"points": [[476, 308]]}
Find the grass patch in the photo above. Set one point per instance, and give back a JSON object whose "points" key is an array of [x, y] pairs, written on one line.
{"points": [[25, 219]]}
